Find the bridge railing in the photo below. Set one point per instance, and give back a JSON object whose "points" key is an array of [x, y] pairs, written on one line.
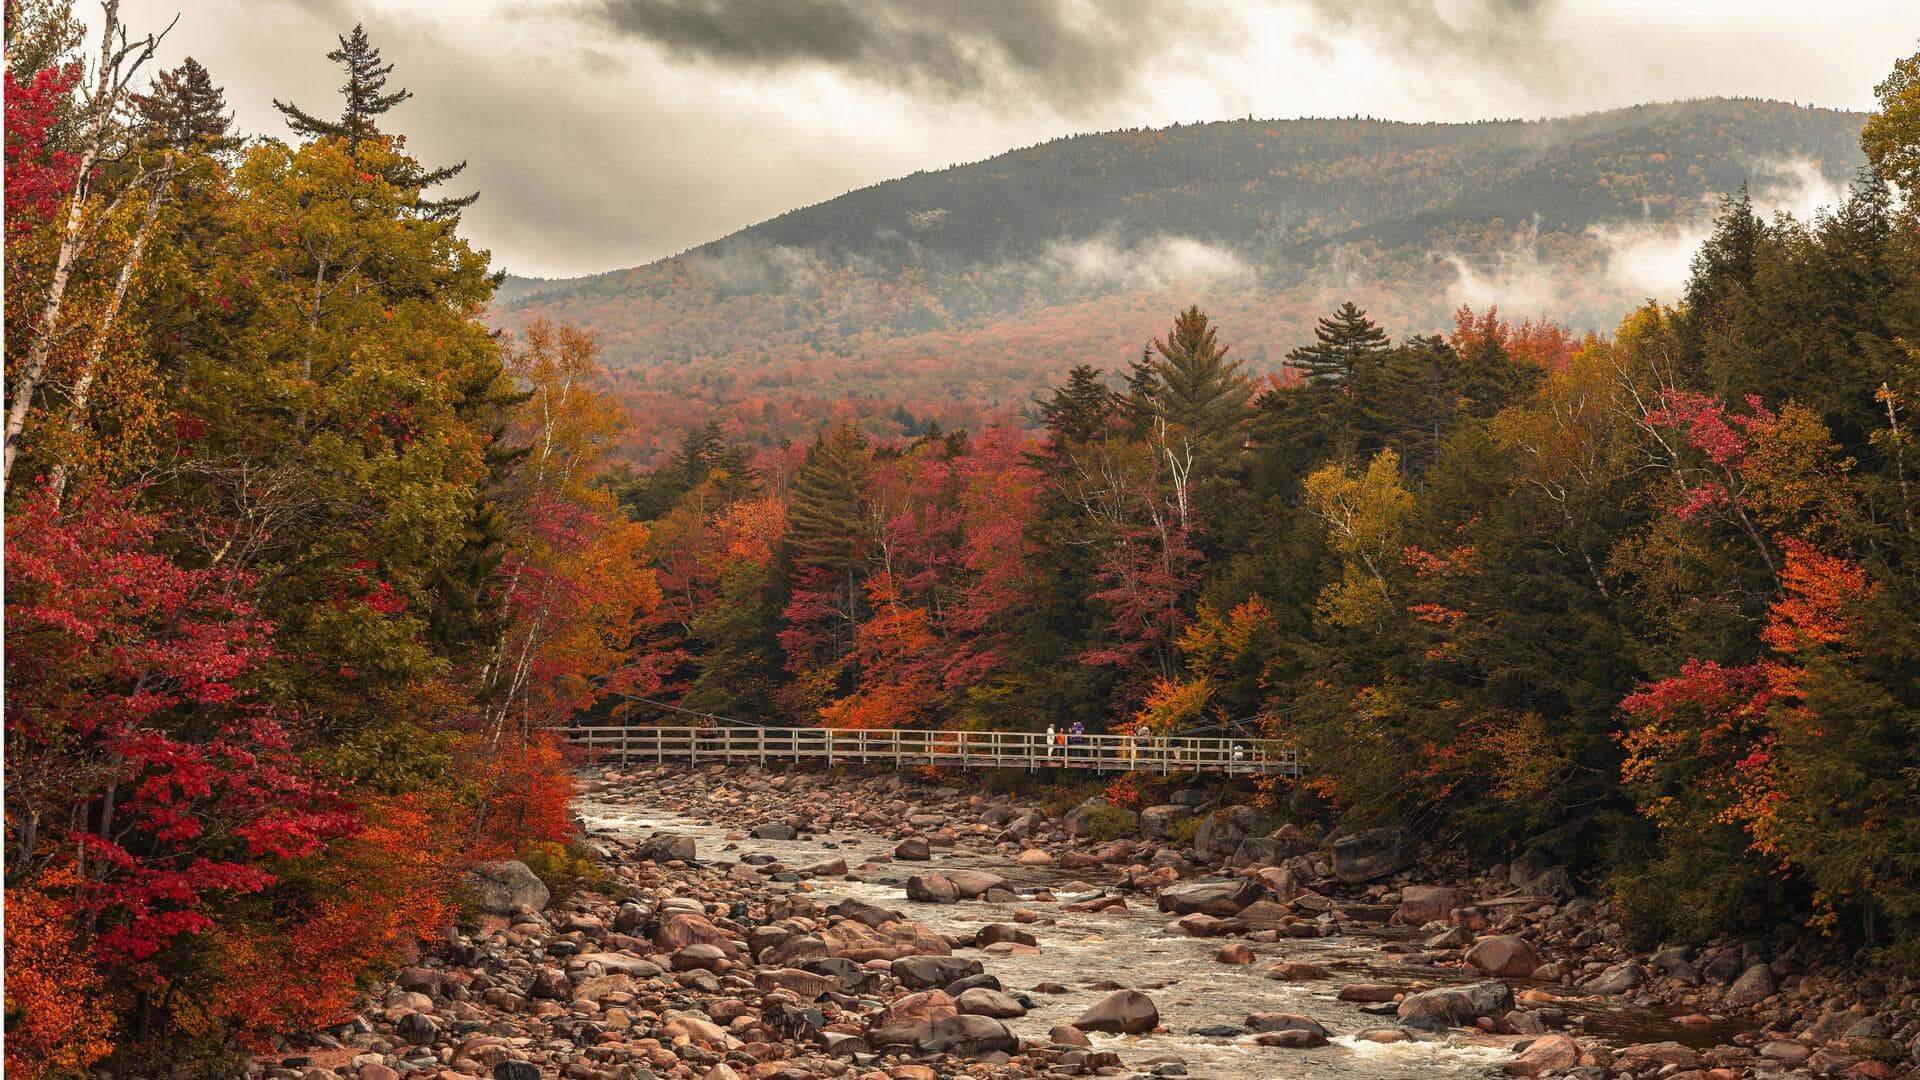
{"points": [[966, 749]]}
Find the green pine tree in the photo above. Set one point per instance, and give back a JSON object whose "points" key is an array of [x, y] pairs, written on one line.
{"points": [[1341, 344], [1080, 410], [1198, 389], [367, 98], [185, 111], [827, 508]]}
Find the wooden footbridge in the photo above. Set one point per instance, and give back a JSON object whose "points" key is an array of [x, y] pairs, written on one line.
{"points": [[961, 749]]}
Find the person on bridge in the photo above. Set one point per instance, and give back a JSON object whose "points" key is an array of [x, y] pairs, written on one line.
{"points": [[1076, 740], [1052, 736]]}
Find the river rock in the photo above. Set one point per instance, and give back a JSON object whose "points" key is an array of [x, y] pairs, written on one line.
{"points": [[1452, 1006], [1277, 1021], [1078, 821], [1422, 904], [1644, 1056], [682, 929], [417, 1029], [1752, 987], [1199, 925], [1156, 822], [926, 1006], [971, 1036], [913, 850], [501, 887], [1123, 1012], [1617, 979], [1292, 1039], [931, 888], [861, 943], [1504, 956], [1371, 993], [1262, 851], [1221, 832], [981, 1001], [1068, 1035], [700, 956], [994, 933], [666, 847], [921, 972], [805, 985], [1033, 857], [1212, 896], [973, 884], [1266, 915], [773, 832], [1235, 953], [1544, 1055], [1371, 854], [1297, 972]]}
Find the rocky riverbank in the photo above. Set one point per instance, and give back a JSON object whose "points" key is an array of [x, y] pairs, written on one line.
{"points": [[701, 959]]}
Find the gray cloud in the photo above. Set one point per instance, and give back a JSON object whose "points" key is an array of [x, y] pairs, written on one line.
{"points": [[608, 133], [1068, 54]]}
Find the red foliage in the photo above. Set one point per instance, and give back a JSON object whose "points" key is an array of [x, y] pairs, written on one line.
{"points": [[1544, 343], [39, 179], [122, 674]]}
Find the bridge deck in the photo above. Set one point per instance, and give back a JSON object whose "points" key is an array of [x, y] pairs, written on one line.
{"points": [[965, 749]]}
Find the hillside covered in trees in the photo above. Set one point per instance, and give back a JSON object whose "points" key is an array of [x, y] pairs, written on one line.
{"points": [[1641, 602], [958, 295]]}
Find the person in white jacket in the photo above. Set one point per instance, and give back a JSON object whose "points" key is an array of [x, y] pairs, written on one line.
{"points": [[1050, 743]]}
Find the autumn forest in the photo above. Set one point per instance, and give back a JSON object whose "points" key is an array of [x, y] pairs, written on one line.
{"points": [[315, 548]]}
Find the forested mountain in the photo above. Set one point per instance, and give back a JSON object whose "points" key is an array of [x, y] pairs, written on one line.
{"points": [[958, 294]]}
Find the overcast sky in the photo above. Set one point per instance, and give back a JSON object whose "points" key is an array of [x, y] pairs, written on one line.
{"points": [[607, 133]]}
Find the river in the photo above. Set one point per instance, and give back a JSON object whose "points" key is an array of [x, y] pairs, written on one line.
{"points": [[1090, 953]]}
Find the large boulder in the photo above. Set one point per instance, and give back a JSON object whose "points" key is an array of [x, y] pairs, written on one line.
{"points": [[1504, 956], [925, 972], [619, 963], [1211, 896], [1079, 820], [681, 929], [860, 943], [1544, 1056], [1453, 1006], [926, 1006], [1371, 854], [862, 912], [666, 847], [1276, 1021], [968, 1035], [1642, 1057], [1752, 987], [1221, 832], [1422, 904], [1156, 822], [1266, 851], [985, 1001], [805, 985], [931, 888], [499, 888], [973, 884], [1123, 1012]]}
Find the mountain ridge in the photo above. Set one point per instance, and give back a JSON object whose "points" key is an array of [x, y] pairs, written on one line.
{"points": [[1267, 217]]}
